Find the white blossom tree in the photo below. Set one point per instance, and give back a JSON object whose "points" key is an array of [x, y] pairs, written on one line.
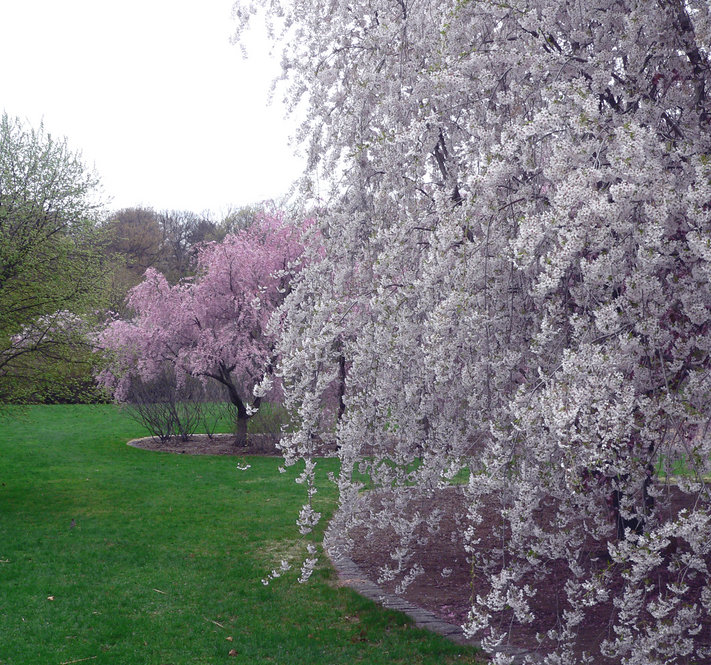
{"points": [[516, 229]]}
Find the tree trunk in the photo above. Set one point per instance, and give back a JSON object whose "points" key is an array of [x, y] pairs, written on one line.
{"points": [[241, 429], [242, 416], [341, 386], [621, 523], [241, 420], [637, 524]]}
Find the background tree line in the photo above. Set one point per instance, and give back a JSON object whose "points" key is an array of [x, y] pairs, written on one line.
{"points": [[139, 238], [65, 262]]}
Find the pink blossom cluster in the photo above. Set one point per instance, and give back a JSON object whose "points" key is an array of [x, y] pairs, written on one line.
{"points": [[214, 325]]}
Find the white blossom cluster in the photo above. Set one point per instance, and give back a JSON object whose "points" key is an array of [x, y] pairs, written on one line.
{"points": [[513, 204], [59, 327]]}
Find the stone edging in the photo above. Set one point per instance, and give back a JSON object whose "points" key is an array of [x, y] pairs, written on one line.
{"points": [[136, 443], [351, 576], [215, 444]]}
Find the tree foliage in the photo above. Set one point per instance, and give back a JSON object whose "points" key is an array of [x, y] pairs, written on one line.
{"points": [[50, 264], [516, 223], [213, 326], [140, 238]]}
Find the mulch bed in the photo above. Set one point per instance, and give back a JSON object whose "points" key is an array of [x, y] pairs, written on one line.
{"points": [[217, 444], [449, 596], [221, 444]]}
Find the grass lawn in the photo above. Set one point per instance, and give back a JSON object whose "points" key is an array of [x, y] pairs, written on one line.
{"points": [[110, 554]]}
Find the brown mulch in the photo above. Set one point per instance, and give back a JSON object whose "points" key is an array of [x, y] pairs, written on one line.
{"points": [[449, 596], [221, 444], [217, 444]]}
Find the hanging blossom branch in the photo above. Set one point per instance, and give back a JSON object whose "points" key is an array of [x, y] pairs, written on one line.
{"points": [[515, 266]]}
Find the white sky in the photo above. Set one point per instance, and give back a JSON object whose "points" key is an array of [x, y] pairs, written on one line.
{"points": [[155, 97]]}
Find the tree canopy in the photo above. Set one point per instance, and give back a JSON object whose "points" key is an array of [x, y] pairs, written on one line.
{"points": [[215, 325], [50, 265], [515, 206]]}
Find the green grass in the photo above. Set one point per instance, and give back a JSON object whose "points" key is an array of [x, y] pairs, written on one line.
{"points": [[154, 558]]}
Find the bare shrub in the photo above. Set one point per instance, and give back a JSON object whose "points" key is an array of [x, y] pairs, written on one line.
{"points": [[170, 408]]}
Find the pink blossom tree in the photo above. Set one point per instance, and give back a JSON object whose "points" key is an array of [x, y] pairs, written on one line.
{"points": [[215, 325]]}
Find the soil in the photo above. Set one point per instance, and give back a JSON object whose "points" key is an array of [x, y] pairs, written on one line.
{"points": [[217, 444], [449, 596]]}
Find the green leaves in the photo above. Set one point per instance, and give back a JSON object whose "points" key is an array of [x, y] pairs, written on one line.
{"points": [[49, 249]]}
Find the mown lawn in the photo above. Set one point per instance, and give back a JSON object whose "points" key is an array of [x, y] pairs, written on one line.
{"points": [[110, 554]]}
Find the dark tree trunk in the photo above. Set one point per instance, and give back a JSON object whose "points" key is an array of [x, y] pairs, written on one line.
{"points": [[242, 416], [636, 524], [241, 430], [225, 378], [621, 523], [341, 385]]}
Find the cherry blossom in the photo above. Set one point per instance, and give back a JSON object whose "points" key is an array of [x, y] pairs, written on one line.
{"points": [[515, 206], [213, 326]]}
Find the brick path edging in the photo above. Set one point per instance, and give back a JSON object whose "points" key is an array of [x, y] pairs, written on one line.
{"points": [[351, 576]]}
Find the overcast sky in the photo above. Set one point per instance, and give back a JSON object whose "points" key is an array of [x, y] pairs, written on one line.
{"points": [[154, 95]]}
